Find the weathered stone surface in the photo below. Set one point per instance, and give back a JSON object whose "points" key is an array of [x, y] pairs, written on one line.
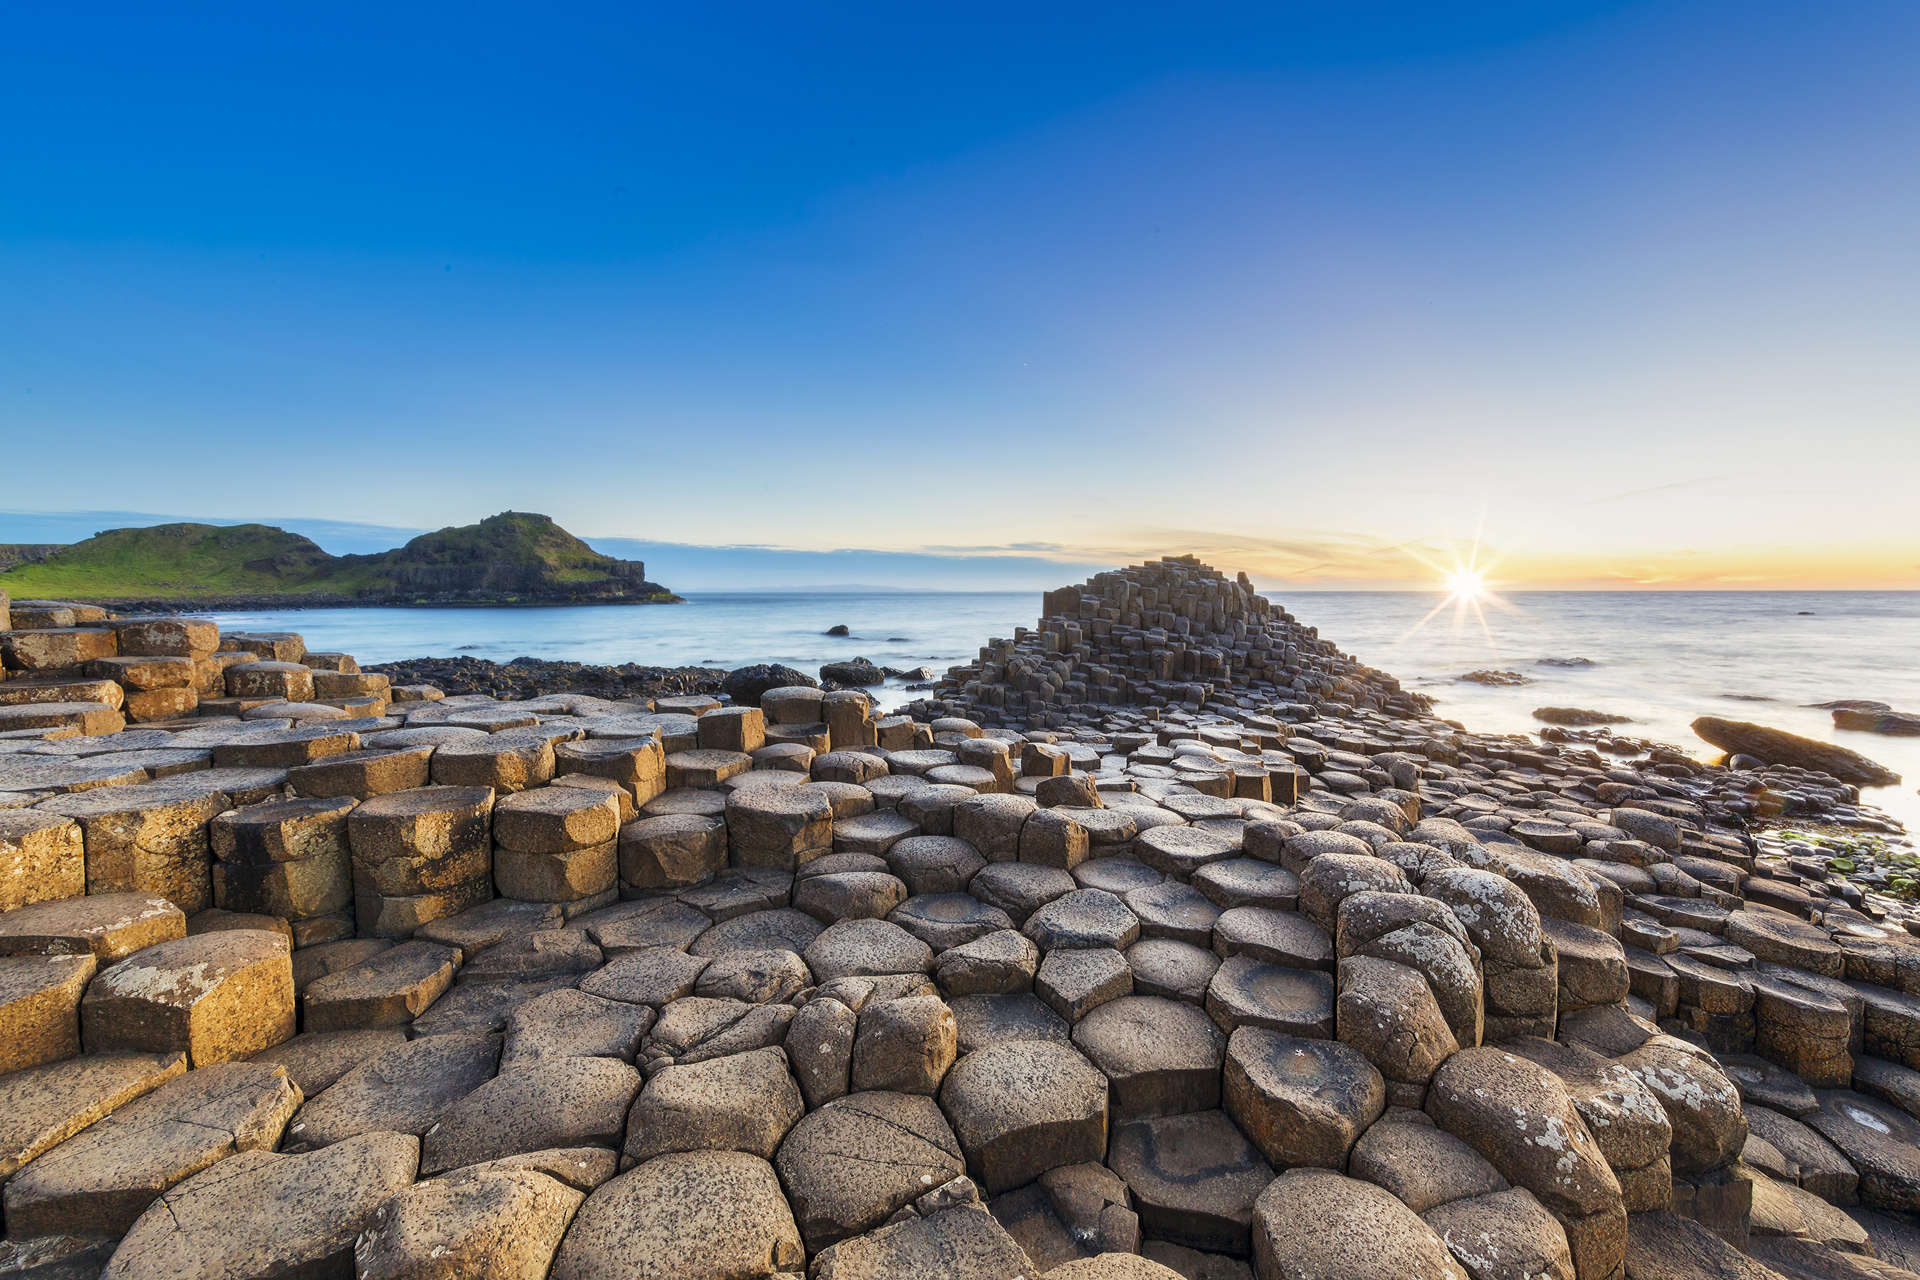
{"points": [[572, 1023], [491, 1222], [696, 1028], [1421, 1164], [1775, 936], [1023, 1107], [651, 922], [363, 774], [743, 1102], [1388, 1012], [388, 989], [552, 1102], [43, 1106], [40, 1007], [638, 764], [999, 963], [404, 1089], [1162, 1057], [315, 1060], [1075, 981], [780, 828], [1311, 1224], [651, 976], [262, 1214], [1111, 1266], [150, 838], [1245, 992], [102, 1179], [1881, 1141], [672, 850], [903, 1046], [503, 763], [1702, 1105], [962, 1243], [1083, 918], [41, 858], [1507, 1235], [213, 996], [866, 948], [772, 929], [555, 820], [1665, 1246], [1303, 1102], [852, 1163], [657, 1222], [1518, 1115]]}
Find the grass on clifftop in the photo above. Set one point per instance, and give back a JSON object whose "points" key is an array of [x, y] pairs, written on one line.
{"points": [[509, 556]]}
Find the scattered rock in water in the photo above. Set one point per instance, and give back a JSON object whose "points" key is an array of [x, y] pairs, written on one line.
{"points": [[838, 629], [745, 684], [1898, 724], [1496, 677], [1777, 746], [854, 673], [1578, 716], [1564, 662], [532, 677]]}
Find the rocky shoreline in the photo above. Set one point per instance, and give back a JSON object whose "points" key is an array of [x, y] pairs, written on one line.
{"points": [[1165, 940], [646, 593]]}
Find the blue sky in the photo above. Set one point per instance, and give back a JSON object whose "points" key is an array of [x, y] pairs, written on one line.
{"points": [[1631, 291]]}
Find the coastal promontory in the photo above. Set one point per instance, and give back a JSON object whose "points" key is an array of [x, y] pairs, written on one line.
{"points": [[512, 558]]}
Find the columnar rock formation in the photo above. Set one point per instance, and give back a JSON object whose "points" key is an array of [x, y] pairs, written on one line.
{"points": [[1164, 941]]}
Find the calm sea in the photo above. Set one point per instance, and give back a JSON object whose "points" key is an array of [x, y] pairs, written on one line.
{"points": [[1661, 657]]}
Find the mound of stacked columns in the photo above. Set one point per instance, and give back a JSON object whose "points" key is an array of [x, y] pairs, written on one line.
{"points": [[1167, 633], [454, 986]]}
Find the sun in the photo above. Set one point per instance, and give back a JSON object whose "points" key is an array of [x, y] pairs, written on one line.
{"points": [[1467, 584]]}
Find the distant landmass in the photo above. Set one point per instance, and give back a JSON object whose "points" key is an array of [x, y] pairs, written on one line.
{"points": [[511, 558]]}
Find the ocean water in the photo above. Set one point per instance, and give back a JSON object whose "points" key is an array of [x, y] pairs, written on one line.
{"points": [[1662, 658]]}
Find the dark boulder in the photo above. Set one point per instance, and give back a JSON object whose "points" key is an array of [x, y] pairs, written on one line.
{"points": [[746, 684], [1777, 746], [853, 673]]}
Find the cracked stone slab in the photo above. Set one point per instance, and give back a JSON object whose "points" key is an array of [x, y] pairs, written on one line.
{"points": [[103, 1178]]}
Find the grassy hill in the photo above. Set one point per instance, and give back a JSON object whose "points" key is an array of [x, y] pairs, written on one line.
{"points": [[511, 558]]}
